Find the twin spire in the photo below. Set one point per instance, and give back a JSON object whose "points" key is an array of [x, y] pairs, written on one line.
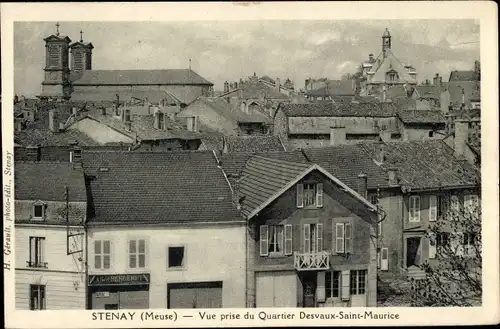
{"points": [[57, 32]]}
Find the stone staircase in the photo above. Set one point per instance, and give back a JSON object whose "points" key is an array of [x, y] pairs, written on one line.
{"points": [[415, 273]]}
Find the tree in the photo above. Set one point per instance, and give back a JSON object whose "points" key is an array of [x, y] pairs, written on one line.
{"points": [[453, 277]]}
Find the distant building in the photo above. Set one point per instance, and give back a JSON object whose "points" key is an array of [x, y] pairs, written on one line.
{"points": [[338, 91], [80, 82]]}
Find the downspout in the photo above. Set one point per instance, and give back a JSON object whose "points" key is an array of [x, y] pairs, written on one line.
{"points": [[86, 264]]}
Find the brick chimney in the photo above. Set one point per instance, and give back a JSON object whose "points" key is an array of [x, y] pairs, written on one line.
{"points": [[277, 85], [363, 185], [52, 126], [461, 137], [337, 135], [226, 86]]}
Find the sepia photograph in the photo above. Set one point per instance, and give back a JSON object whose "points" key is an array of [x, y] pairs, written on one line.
{"points": [[278, 164]]}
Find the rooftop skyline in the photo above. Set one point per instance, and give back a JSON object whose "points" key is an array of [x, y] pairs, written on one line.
{"points": [[227, 50]]}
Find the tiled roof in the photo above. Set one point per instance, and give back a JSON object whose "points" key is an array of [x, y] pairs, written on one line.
{"points": [[463, 76], [144, 187], [256, 90], [364, 109], [254, 144], [46, 181], [234, 113], [141, 77], [428, 91], [426, 164], [421, 116], [263, 177], [471, 89], [334, 88]]}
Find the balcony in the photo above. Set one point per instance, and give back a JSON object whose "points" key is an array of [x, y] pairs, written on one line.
{"points": [[312, 261], [37, 264]]}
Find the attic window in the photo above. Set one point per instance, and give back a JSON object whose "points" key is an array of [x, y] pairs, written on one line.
{"points": [[392, 76], [38, 210], [431, 133]]}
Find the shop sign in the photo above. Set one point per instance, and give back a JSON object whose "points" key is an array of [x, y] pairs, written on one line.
{"points": [[118, 279]]}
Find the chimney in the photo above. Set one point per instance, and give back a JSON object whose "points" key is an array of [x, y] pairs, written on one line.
{"points": [[370, 58], [51, 121], [444, 101], [461, 137], [74, 111], [383, 98], [103, 110], [437, 80], [127, 115], [224, 144], [337, 135], [393, 176], [463, 97], [157, 120], [33, 152], [226, 87], [363, 185], [61, 126], [277, 85]]}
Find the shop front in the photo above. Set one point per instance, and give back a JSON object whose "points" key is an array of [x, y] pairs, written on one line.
{"points": [[119, 291]]}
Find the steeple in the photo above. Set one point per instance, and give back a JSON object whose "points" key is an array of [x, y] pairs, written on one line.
{"points": [[386, 40], [81, 36], [81, 57], [57, 29]]}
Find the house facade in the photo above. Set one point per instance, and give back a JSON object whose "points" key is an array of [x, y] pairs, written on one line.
{"points": [[176, 240], [50, 213], [311, 240]]}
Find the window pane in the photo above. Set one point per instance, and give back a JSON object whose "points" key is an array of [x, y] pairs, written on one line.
{"points": [[142, 260], [132, 261], [132, 247], [106, 247], [97, 247], [336, 284], [38, 211], [106, 261], [142, 246], [97, 261], [328, 284], [361, 281], [352, 282]]}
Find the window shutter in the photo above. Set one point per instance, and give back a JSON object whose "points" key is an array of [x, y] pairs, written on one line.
{"points": [[411, 206], [345, 285], [307, 238], [42, 250], [264, 240], [288, 239], [319, 195], [339, 238], [321, 287], [417, 208], [319, 237], [384, 259], [348, 238], [432, 245], [300, 195], [32, 250], [432, 208]]}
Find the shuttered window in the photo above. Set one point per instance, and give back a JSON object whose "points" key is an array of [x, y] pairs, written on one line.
{"points": [[300, 195], [288, 239], [348, 237], [339, 238], [332, 284], [307, 238], [414, 208], [319, 195], [264, 240], [432, 208], [358, 282]]}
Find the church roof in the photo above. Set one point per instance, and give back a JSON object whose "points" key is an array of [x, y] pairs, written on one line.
{"points": [[83, 44], [385, 64], [54, 37], [141, 77]]}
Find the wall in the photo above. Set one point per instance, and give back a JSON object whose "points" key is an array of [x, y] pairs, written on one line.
{"points": [[352, 124], [415, 132], [210, 118], [99, 132], [186, 93], [213, 253]]}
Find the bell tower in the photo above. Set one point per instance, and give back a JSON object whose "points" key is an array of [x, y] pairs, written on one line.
{"points": [[81, 57], [56, 82], [386, 41]]}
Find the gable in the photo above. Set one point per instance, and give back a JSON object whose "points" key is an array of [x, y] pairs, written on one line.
{"points": [[100, 132]]}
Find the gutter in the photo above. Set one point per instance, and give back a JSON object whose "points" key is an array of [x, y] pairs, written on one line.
{"points": [[409, 190]]}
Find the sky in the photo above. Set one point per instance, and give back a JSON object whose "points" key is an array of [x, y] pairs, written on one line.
{"points": [[230, 50]]}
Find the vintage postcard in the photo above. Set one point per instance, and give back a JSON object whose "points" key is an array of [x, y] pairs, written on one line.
{"points": [[250, 164]]}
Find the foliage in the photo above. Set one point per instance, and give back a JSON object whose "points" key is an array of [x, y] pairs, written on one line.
{"points": [[453, 277]]}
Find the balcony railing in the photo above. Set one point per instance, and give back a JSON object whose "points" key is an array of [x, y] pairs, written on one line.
{"points": [[312, 261], [37, 264]]}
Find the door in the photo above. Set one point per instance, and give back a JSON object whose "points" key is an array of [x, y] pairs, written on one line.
{"points": [[195, 295], [384, 259], [309, 294], [276, 289], [412, 251]]}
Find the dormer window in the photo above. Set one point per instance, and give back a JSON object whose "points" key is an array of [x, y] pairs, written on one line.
{"points": [[38, 210], [392, 76]]}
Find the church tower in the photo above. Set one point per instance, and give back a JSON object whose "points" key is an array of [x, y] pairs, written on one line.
{"points": [[386, 41], [56, 83], [81, 57]]}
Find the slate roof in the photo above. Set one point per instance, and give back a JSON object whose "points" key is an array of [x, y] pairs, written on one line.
{"points": [[383, 65], [263, 177], [428, 91], [362, 109], [162, 187], [254, 144], [469, 75], [334, 88], [46, 181], [421, 116], [426, 164], [471, 89], [141, 77], [256, 90]]}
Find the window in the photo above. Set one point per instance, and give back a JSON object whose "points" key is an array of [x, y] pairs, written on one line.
{"points": [[102, 254], [374, 199], [332, 283], [471, 204], [310, 195], [454, 208], [468, 242], [343, 238], [176, 257], [442, 241], [36, 253], [433, 208], [275, 239], [312, 238], [414, 209], [37, 297], [137, 253], [38, 210], [431, 133], [358, 282]]}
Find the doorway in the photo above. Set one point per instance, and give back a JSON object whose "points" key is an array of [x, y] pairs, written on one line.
{"points": [[413, 251], [309, 283]]}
